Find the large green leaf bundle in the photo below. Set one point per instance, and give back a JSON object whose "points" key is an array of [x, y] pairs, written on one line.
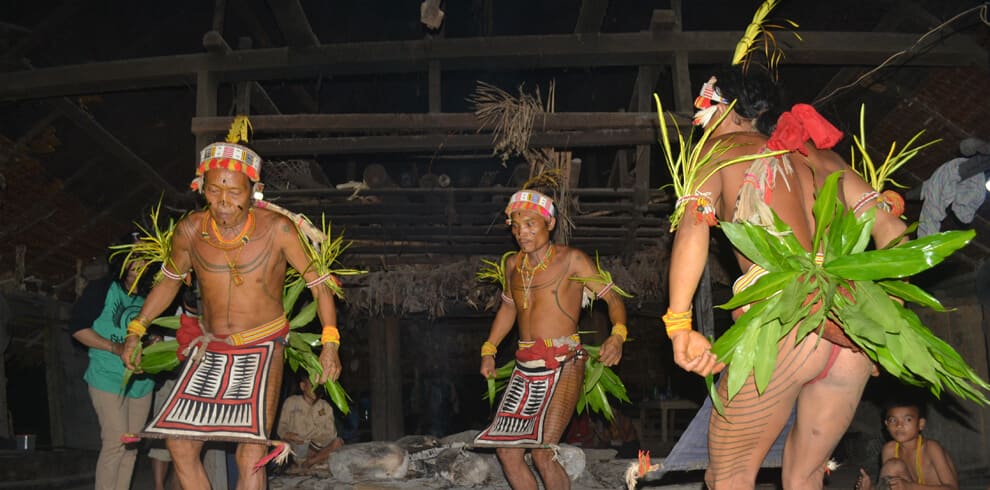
{"points": [[848, 285]]}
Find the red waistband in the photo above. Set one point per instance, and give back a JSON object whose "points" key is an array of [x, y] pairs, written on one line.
{"points": [[190, 330]]}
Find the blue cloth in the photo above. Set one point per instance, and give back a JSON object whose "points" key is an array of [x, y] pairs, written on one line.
{"points": [[946, 188]]}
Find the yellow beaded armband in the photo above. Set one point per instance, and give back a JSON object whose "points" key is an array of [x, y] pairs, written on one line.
{"points": [[677, 321], [138, 326], [488, 349], [330, 335], [620, 330]]}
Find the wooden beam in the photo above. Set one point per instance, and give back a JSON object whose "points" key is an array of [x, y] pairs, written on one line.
{"points": [[249, 17], [56, 19], [275, 147], [255, 94], [71, 236], [431, 122], [503, 52], [426, 122], [891, 20], [97, 133], [607, 192], [591, 15], [292, 21]]}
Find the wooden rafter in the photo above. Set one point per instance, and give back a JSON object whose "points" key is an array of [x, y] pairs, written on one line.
{"points": [[563, 50], [591, 15], [292, 21], [406, 122]]}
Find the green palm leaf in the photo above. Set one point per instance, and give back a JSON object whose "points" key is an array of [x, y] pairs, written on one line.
{"points": [[885, 330], [599, 381]]}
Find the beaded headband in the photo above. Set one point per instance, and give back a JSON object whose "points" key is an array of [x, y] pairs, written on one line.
{"points": [[229, 155], [531, 200]]}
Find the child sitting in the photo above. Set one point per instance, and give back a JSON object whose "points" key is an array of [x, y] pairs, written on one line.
{"points": [[910, 461], [307, 423]]}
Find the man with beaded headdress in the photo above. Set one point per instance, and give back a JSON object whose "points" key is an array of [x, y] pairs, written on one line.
{"points": [[238, 249], [543, 290]]}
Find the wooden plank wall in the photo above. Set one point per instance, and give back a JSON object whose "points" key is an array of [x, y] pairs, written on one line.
{"points": [[965, 433]]}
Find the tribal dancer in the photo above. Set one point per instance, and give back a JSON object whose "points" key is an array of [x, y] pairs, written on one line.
{"points": [[543, 296], [229, 387], [813, 308], [823, 376]]}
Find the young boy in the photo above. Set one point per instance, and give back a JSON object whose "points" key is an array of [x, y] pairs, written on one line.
{"points": [[307, 422], [910, 461]]}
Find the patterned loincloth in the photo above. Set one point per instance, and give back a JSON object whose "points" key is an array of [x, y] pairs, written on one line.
{"points": [[231, 394], [540, 395]]}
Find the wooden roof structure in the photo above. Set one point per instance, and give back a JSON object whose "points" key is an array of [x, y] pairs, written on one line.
{"points": [[101, 112]]}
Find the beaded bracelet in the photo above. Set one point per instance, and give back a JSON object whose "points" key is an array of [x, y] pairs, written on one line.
{"points": [[620, 330], [172, 275], [488, 349], [677, 321], [330, 335]]}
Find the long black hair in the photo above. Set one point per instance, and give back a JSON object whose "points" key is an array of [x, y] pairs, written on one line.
{"points": [[756, 95]]}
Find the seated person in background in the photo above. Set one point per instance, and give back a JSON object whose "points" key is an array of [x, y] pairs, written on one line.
{"points": [[910, 461], [307, 422]]}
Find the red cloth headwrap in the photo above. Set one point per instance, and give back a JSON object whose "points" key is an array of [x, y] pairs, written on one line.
{"points": [[800, 124]]}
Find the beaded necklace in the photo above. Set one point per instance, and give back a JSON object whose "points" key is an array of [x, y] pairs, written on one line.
{"points": [[528, 273], [212, 236]]}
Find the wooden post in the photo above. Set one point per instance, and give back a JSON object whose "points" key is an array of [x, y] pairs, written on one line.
{"points": [[435, 82], [683, 100], [206, 104], [53, 372], [242, 105], [641, 183], [20, 252], [386, 378], [5, 338]]}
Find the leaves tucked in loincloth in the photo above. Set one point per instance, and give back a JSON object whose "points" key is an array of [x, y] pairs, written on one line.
{"points": [[852, 287]]}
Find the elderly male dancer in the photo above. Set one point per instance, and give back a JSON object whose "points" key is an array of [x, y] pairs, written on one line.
{"points": [[544, 300], [823, 376], [229, 387]]}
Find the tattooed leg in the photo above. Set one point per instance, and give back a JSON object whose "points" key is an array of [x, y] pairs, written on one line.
{"points": [[740, 439], [825, 410]]}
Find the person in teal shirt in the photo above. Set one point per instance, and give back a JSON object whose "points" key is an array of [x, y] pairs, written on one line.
{"points": [[99, 321]]}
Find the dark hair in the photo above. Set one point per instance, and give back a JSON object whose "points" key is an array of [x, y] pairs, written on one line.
{"points": [[119, 273], [921, 407], [756, 95]]}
